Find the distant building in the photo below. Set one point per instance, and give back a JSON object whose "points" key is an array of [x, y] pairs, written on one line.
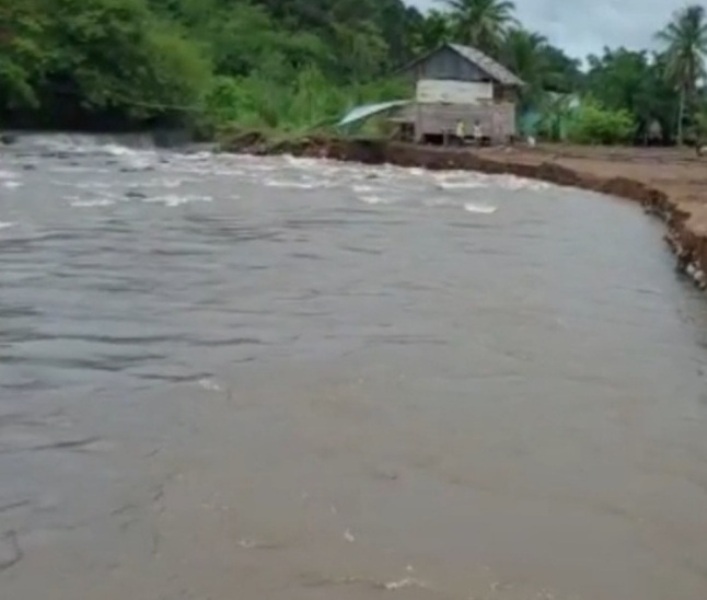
{"points": [[458, 83]]}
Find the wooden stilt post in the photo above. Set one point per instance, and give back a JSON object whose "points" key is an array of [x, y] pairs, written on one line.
{"points": [[418, 122]]}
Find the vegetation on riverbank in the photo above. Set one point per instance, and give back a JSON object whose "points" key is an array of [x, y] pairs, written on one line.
{"points": [[293, 65]]}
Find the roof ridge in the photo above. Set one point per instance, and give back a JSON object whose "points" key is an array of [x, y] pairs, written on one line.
{"points": [[492, 67]]}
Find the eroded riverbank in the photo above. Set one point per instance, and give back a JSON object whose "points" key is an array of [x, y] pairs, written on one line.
{"points": [[668, 183]]}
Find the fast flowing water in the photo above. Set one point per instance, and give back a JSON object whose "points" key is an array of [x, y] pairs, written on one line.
{"points": [[233, 378]]}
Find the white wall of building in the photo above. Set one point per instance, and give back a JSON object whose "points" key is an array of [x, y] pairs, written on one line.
{"points": [[441, 91]]}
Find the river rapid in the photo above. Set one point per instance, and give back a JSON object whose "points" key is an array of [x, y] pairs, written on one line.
{"points": [[237, 378]]}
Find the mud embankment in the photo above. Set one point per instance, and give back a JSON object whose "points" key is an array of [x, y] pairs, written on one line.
{"points": [[669, 200]]}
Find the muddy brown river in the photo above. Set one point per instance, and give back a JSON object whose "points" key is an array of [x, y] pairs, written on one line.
{"points": [[234, 378]]}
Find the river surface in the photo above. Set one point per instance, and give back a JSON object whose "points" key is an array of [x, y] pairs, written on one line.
{"points": [[234, 378]]}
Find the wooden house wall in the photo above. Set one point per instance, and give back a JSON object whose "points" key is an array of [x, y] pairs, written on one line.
{"points": [[497, 119]]}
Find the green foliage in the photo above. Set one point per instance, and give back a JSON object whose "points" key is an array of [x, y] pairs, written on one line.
{"points": [[295, 64], [306, 102], [594, 124], [563, 73], [97, 56], [177, 72], [289, 64], [524, 53], [430, 32], [685, 38], [482, 23], [22, 60], [635, 82]]}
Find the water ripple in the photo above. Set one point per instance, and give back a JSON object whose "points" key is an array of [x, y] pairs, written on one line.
{"points": [[209, 349]]}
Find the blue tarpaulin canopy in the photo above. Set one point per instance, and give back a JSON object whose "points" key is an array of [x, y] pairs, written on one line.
{"points": [[368, 110]]}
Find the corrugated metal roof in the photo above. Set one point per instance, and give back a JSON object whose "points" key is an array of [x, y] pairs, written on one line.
{"points": [[368, 110], [494, 69]]}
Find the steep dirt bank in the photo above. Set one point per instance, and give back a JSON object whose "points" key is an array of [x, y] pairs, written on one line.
{"points": [[669, 183]]}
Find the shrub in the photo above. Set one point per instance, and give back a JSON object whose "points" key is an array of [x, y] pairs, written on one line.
{"points": [[308, 101], [594, 124]]}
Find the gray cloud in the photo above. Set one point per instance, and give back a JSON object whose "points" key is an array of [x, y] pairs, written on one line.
{"points": [[582, 27]]}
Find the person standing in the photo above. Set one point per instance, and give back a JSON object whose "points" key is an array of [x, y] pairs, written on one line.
{"points": [[477, 133], [461, 132]]}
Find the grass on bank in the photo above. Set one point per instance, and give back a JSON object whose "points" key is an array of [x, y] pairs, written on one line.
{"points": [[306, 103]]}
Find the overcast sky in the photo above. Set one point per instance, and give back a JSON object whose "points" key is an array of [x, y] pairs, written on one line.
{"points": [[582, 27]]}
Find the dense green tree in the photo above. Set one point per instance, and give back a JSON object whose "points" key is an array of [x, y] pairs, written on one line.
{"points": [[22, 59], [66, 58], [343, 24]]}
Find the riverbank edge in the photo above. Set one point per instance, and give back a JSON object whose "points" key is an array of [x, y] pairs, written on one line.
{"points": [[687, 242]]}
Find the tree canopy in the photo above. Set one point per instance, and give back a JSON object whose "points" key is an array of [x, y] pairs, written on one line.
{"points": [[298, 63]]}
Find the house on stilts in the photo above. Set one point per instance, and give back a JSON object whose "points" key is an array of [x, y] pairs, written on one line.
{"points": [[459, 83]]}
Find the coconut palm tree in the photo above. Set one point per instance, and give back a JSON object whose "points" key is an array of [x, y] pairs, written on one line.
{"points": [[525, 53], [431, 32], [685, 38], [482, 23]]}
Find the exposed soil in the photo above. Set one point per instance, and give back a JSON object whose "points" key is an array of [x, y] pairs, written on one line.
{"points": [[670, 183]]}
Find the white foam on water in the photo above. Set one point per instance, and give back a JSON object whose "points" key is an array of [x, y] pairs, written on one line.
{"points": [[513, 183], [249, 163], [167, 182], [364, 189], [118, 150], [326, 168], [482, 209], [197, 156], [101, 197], [264, 167], [408, 582], [76, 169], [7, 224], [296, 161], [228, 172], [139, 164], [88, 185], [172, 201], [462, 185], [451, 180], [374, 199], [9, 180], [194, 169], [90, 144], [210, 385], [91, 203], [434, 202], [297, 185]]}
